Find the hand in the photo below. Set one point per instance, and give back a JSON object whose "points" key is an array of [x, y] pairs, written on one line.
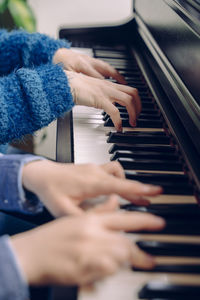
{"points": [[81, 63], [103, 94], [81, 250], [63, 187]]}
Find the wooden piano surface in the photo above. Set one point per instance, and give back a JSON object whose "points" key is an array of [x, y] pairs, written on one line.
{"points": [[174, 100]]}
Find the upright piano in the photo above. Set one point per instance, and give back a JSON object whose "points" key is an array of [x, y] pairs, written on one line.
{"points": [[158, 52]]}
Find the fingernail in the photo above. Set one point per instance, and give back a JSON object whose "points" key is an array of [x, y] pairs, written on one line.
{"points": [[134, 124], [147, 188], [159, 221], [119, 129], [149, 261]]}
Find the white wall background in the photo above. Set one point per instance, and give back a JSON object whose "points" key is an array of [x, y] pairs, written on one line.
{"points": [[51, 15]]}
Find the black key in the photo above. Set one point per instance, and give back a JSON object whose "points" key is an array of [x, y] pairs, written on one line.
{"points": [[127, 68], [134, 73], [178, 227], [138, 84], [132, 79], [125, 115], [143, 155], [150, 110], [181, 221], [182, 226], [183, 211], [137, 147], [159, 289], [139, 138], [173, 184], [120, 61], [150, 164], [172, 268], [141, 123], [145, 105], [170, 249], [111, 54]]}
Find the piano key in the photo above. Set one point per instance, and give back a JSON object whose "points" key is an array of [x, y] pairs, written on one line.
{"points": [[111, 54], [144, 155], [137, 84], [142, 116], [181, 226], [173, 268], [150, 164], [138, 137], [145, 105], [120, 62], [173, 199], [171, 183], [139, 79], [138, 147], [141, 123], [169, 248], [158, 289], [150, 111], [130, 283], [188, 210]]}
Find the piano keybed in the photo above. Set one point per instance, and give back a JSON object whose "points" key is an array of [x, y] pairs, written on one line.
{"points": [[148, 153]]}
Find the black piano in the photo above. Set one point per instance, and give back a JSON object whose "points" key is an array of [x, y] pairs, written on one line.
{"points": [[158, 52]]}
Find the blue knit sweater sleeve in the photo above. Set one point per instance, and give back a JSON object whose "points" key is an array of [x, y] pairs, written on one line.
{"points": [[19, 48], [31, 98]]}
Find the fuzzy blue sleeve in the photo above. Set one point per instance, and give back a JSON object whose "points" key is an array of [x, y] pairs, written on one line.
{"points": [[19, 48], [31, 98]]}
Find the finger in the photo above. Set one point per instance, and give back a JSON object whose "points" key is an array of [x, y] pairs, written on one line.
{"points": [[108, 71], [138, 102], [132, 221], [90, 71], [125, 100], [133, 92], [128, 253], [140, 259], [139, 201], [110, 205], [114, 168], [104, 266], [130, 188], [114, 114], [65, 206], [131, 109]]}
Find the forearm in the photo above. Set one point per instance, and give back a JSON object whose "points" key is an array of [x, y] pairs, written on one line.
{"points": [[22, 49], [32, 98]]}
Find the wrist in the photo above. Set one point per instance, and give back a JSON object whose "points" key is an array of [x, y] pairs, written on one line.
{"points": [[25, 258], [70, 77], [59, 55], [32, 180]]}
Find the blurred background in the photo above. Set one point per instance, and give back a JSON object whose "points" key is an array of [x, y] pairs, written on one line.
{"points": [[51, 14], [48, 16]]}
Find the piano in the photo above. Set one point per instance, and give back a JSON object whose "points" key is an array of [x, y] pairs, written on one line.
{"points": [[158, 52]]}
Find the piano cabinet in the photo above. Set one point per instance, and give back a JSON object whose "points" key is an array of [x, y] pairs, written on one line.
{"points": [[158, 52]]}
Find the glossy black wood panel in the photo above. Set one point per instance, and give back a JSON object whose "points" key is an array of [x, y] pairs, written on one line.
{"points": [[175, 36]]}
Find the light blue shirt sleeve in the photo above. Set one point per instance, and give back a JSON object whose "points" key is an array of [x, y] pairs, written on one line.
{"points": [[13, 285], [13, 197]]}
